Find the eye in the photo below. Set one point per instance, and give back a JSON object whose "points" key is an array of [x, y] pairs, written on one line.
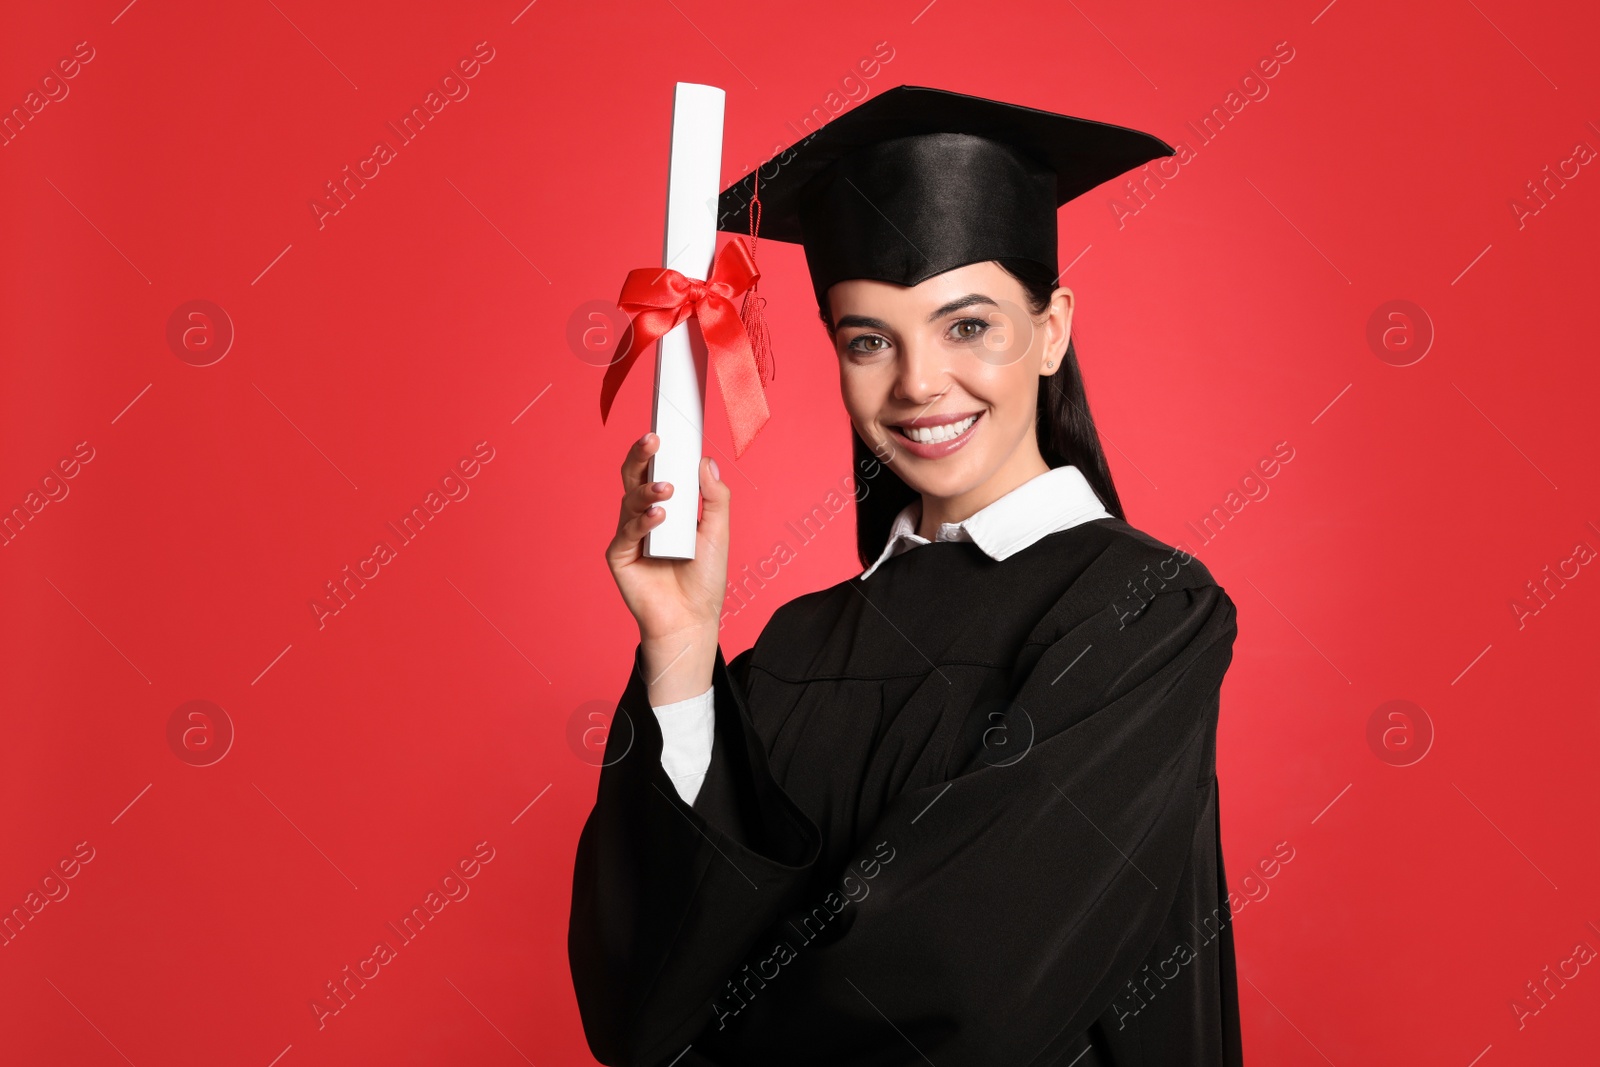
{"points": [[968, 329], [858, 345]]}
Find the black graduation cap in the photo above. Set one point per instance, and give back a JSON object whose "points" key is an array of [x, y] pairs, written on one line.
{"points": [[918, 181]]}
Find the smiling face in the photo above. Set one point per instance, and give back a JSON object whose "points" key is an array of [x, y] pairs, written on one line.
{"points": [[941, 381]]}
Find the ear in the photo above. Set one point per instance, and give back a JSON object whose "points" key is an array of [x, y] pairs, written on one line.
{"points": [[1057, 330]]}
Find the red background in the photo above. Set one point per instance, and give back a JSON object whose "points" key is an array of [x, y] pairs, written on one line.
{"points": [[374, 752]]}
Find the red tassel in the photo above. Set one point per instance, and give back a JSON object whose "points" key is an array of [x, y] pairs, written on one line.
{"points": [[755, 325], [750, 312]]}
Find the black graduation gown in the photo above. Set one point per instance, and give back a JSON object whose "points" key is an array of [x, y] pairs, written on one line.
{"points": [[962, 812]]}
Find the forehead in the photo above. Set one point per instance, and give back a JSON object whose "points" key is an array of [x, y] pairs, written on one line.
{"points": [[886, 300]]}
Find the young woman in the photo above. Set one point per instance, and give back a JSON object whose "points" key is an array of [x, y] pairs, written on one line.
{"points": [[961, 808]]}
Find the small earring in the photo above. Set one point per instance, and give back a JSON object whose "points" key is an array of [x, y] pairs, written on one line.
{"points": [[1052, 363]]}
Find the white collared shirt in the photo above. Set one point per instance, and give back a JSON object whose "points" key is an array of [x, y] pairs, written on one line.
{"points": [[1056, 500]]}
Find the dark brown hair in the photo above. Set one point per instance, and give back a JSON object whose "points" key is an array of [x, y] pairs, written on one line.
{"points": [[1065, 430]]}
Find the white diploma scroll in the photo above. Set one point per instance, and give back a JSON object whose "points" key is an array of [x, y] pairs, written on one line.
{"points": [[678, 413]]}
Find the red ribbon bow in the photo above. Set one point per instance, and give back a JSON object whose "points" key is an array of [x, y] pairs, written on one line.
{"points": [[659, 299]]}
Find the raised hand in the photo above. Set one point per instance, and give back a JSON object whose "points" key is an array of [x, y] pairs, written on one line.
{"points": [[677, 603]]}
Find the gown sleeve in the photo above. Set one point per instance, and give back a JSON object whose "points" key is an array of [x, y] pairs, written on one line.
{"points": [[668, 897]]}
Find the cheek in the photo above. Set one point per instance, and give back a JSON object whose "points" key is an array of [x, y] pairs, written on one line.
{"points": [[862, 392], [1008, 390]]}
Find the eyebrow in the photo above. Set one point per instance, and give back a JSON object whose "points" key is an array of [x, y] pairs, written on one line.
{"points": [[961, 302], [869, 323]]}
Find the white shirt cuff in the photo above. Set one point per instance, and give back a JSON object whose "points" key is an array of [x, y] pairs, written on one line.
{"points": [[688, 729]]}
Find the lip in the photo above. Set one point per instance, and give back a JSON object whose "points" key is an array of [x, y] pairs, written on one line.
{"points": [[938, 449], [937, 420]]}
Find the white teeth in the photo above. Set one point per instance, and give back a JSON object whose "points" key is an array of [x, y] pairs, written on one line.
{"points": [[929, 435]]}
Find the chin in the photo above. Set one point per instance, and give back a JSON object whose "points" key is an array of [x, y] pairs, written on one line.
{"points": [[942, 477]]}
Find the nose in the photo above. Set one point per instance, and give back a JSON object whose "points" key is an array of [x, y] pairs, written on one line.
{"points": [[921, 374]]}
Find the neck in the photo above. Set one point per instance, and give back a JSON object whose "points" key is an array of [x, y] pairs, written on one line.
{"points": [[1022, 466]]}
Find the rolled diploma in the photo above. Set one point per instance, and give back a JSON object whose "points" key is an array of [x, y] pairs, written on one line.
{"points": [[678, 412]]}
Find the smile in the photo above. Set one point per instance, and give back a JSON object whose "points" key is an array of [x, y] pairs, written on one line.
{"points": [[932, 442], [930, 435]]}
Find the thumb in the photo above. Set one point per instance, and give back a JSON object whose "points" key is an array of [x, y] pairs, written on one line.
{"points": [[714, 494]]}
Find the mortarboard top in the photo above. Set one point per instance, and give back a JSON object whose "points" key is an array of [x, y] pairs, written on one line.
{"points": [[918, 181]]}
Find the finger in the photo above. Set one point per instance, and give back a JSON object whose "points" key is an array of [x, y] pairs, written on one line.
{"points": [[637, 459], [636, 500], [628, 544]]}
